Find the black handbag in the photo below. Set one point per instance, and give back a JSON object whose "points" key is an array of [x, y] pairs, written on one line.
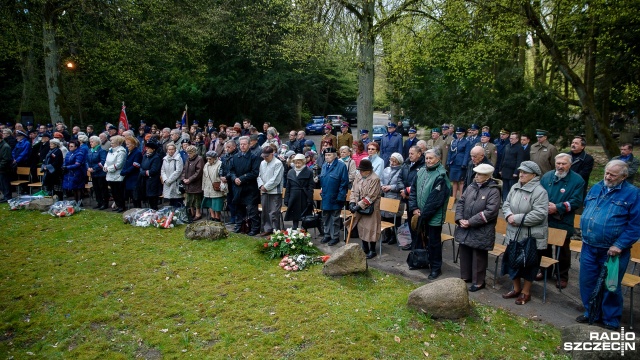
{"points": [[368, 210], [522, 253], [312, 221], [418, 258], [181, 187]]}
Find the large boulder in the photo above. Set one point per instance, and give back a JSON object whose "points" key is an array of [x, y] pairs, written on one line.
{"points": [[575, 336], [348, 259], [42, 204], [442, 299], [206, 230]]}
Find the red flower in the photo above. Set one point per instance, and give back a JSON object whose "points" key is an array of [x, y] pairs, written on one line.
{"points": [[287, 240], [275, 244], [285, 232], [266, 245]]}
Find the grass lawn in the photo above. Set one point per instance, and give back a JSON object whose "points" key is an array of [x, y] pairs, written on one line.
{"points": [[89, 286]]}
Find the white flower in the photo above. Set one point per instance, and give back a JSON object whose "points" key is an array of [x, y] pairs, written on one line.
{"points": [[310, 243], [293, 246]]}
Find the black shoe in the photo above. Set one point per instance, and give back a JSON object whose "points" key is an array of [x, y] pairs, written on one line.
{"points": [[325, 240], [611, 327], [434, 274], [252, 233], [115, 209], [103, 207], [371, 254], [406, 247], [582, 319], [333, 242], [474, 287], [120, 210]]}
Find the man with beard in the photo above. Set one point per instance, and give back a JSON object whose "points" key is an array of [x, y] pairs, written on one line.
{"points": [[581, 162], [513, 156], [608, 230], [565, 189]]}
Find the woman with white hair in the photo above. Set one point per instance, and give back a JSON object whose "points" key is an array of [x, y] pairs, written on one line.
{"points": [[95, 160], [391, 184], [170, 173], [52, 169], [272, 138], [298, 197], [345, 157], [113, 166]]}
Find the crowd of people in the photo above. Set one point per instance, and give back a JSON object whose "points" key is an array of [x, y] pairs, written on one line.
{"points": [[238, 168]]}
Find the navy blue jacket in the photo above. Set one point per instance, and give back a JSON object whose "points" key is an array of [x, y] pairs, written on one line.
{"points": [[95, 161], [149, 183], [334, 181], [246, 167], [131, 169]]}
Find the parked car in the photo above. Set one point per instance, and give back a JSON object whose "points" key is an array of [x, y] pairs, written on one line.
{"points": [[378, 132], [407, 123], [336, 122], [316, 126], [351, 114]]}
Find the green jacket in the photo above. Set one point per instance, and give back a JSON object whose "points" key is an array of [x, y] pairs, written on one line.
{"points": [[430, 193], [566, 194]]}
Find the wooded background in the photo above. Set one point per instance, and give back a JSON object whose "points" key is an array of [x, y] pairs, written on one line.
{"points": [[563, 65]]}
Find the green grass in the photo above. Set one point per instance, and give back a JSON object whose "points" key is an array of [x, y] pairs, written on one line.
{"points": [[89, 286]]}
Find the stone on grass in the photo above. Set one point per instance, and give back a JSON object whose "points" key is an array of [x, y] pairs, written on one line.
{"points": [[42, 204], [127, 214], [442, 299], [206, 230], [348, 259], [580, 333]]}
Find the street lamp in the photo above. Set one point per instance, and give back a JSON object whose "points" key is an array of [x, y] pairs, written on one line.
{"points": [[70, 65]]}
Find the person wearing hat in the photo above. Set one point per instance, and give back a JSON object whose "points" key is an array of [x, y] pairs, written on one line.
{"points": [[428, 200], [298, 198], [22, 150], [528, 204], [96, 157], [490, 151], [74, 171], [437, 141], [270, 185], [334, 180], [391, 184], [149, 183], [476, 217], [390, 143], [364, 137], [6, 168], [178, 125], [52, 170], [244, 172], [411, 141], [565, 189], [500, 143], [214, 191], [45, 137], [473, 134], [366, 193], [210, 127], [542, 152], [458, 159], [344, 138], [328, 136], [512, 158], [112, 130]]}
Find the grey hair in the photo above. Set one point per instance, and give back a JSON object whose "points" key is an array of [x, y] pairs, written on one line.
{"points": [[435, 152], [243, 138], [83, 138], [345, 147], [421, 143], [94, 139], [565, 155], [624, 167], [166, 129], [176, 131]]}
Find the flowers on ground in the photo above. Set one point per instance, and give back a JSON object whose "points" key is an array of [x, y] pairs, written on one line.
{"points": [[300, 262], [288, 242]]}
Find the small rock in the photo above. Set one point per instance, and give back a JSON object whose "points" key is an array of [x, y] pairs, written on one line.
{"points": [[442, 299], [348, 259], [206, 230], [42, 204]]}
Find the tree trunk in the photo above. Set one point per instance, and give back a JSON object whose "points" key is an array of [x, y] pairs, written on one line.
{"points": [[51, 69], [589, 110], [366, 67]]}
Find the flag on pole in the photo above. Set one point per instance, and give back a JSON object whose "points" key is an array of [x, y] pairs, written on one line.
{"points": [[185, 118], [123, 123]]}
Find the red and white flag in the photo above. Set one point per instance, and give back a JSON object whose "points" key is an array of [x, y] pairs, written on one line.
{"points": [[123, 123]]}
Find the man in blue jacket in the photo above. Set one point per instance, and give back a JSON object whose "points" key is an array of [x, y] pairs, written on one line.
{"points": [[565, 189], [390, 143], [610, 225], [334, 180]]}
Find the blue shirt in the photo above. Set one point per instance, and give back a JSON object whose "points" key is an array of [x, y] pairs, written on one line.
{"points": [[611, 217]]}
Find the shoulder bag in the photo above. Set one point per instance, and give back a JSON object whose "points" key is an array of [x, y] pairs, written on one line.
{"points": [[522, 253], [418, 258]]}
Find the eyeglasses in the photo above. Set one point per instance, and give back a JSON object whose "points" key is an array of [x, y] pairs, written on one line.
{"points": [[374, 149]]}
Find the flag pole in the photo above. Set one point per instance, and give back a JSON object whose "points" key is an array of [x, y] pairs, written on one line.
{"points": [[187, 115]]}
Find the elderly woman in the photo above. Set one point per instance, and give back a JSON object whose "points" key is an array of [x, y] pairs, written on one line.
{"points": [[170, 174], [116, 157], [272, 138], [214, 193], [74, 172], [131, 170], [52, 169], [476, 216], [428, 199], [149, 185], [358, 152], [192, 178], [95, 160], [298, 198], [526, 204], [366, 193], [345, 158], [391, 185], [373, 155]]}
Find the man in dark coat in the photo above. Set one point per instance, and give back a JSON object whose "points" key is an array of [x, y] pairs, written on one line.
{"points": [[390, 143], [298, 197], [581, 162], [244, 171], [230, 151], [411, 141], [293, 143], [511, 159], [149, 183], [477, 158], [6, 169], [500, 144], [410, 168]]}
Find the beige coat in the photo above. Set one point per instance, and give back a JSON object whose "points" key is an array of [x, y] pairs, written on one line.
{"points": [[368, 225], [210, 173]]}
